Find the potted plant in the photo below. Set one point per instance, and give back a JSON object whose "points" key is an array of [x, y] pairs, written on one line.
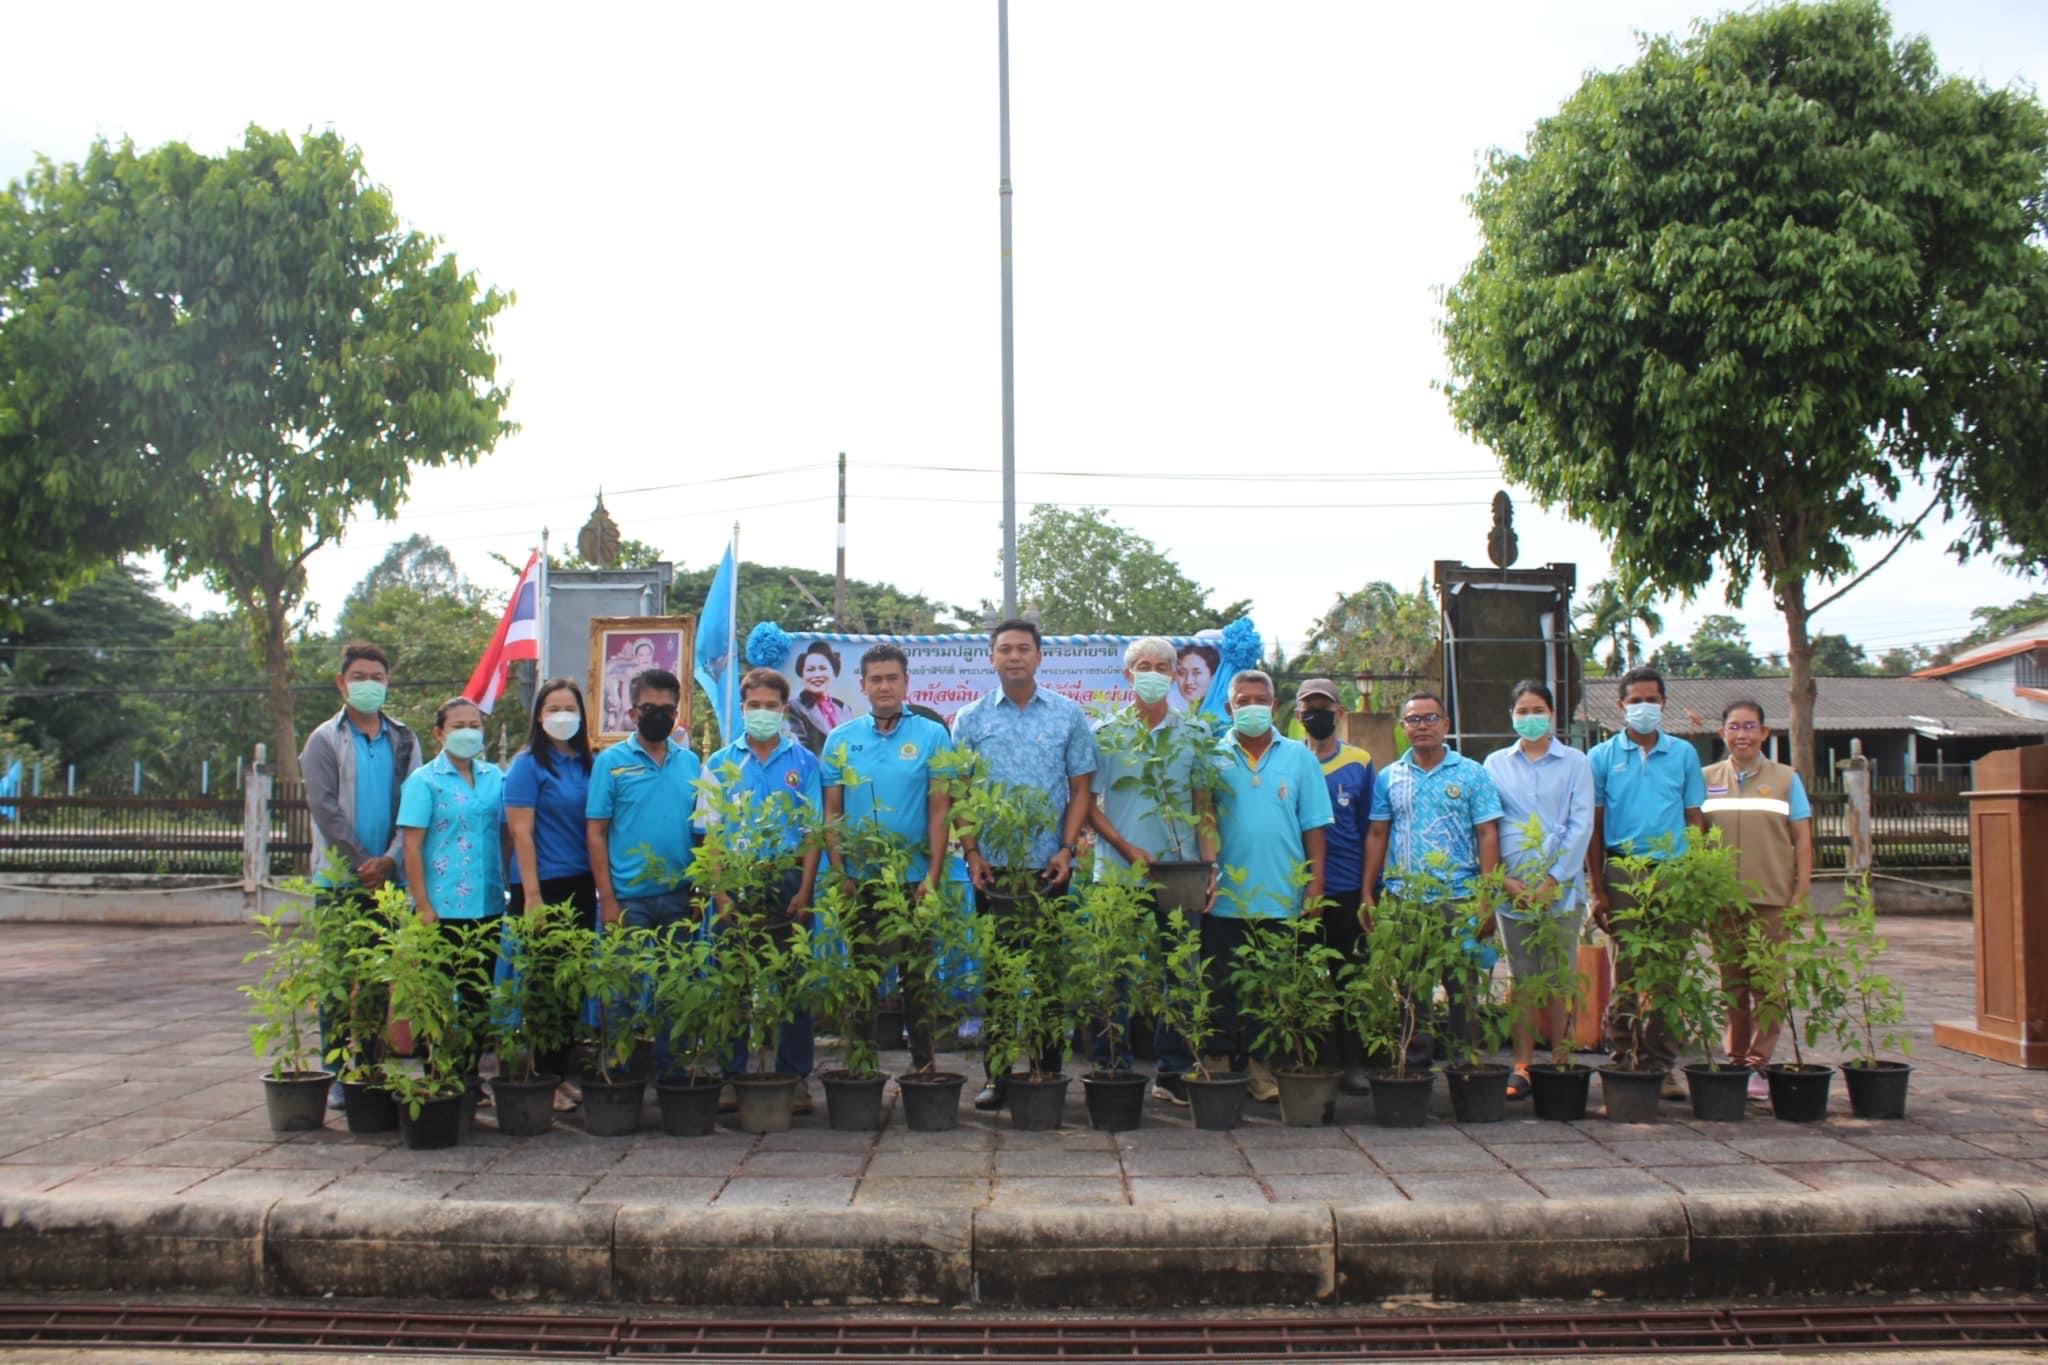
{"points": [[930, 933], [699, 1020], [841, 977], [529, 1016], [612, 967], [285, 1001], [1110, 962], [354, 1007], [1797, 981], [1282, 980], [1187, 1007], [1875, 1017], [1026, 1019], [1174, 768], [1558, 1088], [1478, 1086], [1002, 820], [427, 971], [1410, 951]]}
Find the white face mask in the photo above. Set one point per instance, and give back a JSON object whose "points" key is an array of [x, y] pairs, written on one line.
{"points": [[561, 726]]}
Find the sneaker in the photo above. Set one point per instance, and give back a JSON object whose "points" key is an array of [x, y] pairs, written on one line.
{"points": [[1172, 1089], [801, 1104], [1263, 1087], [1759, 1087], [1673, 1088], [989, 1097], [1218, 1066], [335, 1097]]}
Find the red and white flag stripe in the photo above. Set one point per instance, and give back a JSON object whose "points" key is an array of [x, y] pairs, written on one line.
{"points": [[517, 637]]}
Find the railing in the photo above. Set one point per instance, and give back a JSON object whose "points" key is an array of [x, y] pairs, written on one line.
{"points": [[90, 832], [1922, 829]]}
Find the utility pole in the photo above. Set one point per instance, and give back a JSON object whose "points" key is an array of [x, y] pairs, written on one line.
{"points": [[839, 582], [1009, 348]]}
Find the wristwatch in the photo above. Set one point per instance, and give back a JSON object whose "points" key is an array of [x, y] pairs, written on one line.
{"points": [[1069, 848]]}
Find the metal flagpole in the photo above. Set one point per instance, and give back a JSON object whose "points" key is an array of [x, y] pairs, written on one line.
{"points": [[540, 663], [1009, 347]]}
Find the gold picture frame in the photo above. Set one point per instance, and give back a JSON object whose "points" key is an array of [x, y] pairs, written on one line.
{"points": [[621, 647]]}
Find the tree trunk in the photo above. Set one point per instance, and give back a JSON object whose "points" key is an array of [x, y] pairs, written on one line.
{"points": [[1799, 657], [277, 677]]}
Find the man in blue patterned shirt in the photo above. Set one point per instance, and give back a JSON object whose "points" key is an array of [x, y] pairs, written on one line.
{"points": [[1029, 737]]}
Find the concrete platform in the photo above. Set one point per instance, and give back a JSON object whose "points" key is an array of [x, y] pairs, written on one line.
{"points": [[134, 1156]]}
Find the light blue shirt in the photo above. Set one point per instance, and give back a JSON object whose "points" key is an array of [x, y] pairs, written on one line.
{"points": [[892, 778], [1043, 743], [783, 797], [557, 794], [459, 852], [1269, 806], [1643, 796], [649, 810], [374, 777], [1433, 811], [1556, 791], [1131, 809]]}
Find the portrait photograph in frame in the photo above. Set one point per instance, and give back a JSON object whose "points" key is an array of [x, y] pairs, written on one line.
{"points": [[622, 647]]}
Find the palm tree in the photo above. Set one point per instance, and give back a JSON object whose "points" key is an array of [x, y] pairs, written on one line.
{"points": [[1610, 613]]}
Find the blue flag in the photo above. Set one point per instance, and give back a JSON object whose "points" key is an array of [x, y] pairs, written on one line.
{"points": [[10, 785], [715, 644]]}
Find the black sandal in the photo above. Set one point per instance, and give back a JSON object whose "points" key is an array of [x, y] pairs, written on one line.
{"points": [[1519, 1085]]}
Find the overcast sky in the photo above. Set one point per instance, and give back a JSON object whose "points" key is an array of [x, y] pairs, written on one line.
{"points": [[746, 237]]}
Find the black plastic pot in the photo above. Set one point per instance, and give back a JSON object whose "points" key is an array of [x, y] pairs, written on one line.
{"points": [[931, 1100], [1719, 1094], [1037, 1106], [1218, 1102], [689, 1108], [1877, 1090], [612, 1108], [297, 1100], [1403, 1101], [1308, 1095], [1003, 904], [368, 1107], [439, 1124], [1479, 1094], [524, 1108], [767, 1101], [1116, 1100], [1558, 1093], [1630, 1096], [853, 1102], [1799, 1094], [1182, 886]]}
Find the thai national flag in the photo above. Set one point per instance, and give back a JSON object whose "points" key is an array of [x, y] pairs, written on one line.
{"points": [[517, 637]]}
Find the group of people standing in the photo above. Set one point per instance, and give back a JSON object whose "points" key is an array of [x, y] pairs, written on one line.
{"points": [[1292, 827]]}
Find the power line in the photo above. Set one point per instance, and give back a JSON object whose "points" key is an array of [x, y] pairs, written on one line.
{"points": [[1376, 476], [1174, 506]]}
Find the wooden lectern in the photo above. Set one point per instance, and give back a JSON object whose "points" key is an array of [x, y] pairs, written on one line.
{"points": [[2009, 878]]}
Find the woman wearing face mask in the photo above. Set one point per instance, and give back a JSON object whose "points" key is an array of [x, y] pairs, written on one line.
{"points": [[449, 812], [1546, 798], [545, 791]]}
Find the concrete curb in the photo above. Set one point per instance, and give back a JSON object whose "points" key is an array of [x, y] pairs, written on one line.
{"points": [[1564, 1248], [1664, 1247]]}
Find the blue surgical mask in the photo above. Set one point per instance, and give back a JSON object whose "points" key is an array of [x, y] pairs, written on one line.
{"points": [[763, 724], [1532, 727], [1644, 717], [367, 697], [1252, 721], [464, 743], [1151, 687]]}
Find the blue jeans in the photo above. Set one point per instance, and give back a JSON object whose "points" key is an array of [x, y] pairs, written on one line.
{"points": [[795, 1053], [658, 912]]}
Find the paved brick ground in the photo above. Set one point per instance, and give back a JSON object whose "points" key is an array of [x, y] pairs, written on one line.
{"points": [[124, 1070]]}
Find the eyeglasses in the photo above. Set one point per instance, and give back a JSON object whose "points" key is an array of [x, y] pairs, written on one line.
{"points": [[1432, 718], [1741, 727]]}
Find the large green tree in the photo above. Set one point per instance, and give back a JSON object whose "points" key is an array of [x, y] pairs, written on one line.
{"points": [[227, 358], [1382, 630], [1086, 574], [1732, 300]]}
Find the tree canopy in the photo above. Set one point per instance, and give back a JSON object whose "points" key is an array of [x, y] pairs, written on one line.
{"points": [[1086, 574], [226, 358], [1379, 629], [1731, 299]]}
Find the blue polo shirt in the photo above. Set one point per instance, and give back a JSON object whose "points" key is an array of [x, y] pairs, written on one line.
{"points": [[891, 778], [459, 852], [1433, 817], [1643, 795], [557, 793], [782, 795], [374, 778], [1269, 806], [1130, 808], [1349, 774], [1044, 743], [649, 809]]}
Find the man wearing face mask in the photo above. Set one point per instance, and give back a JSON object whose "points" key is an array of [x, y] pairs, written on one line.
{"points": [[637, 816], [1348, 772], [1273, 818], [354, 764], [1647, 787]]}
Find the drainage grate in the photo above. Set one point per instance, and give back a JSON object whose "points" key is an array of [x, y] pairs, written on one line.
{"points": [[1901, 1327]]}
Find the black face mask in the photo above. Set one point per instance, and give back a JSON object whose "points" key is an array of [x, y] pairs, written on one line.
{"points": [[1319, 724], [656, 722]]}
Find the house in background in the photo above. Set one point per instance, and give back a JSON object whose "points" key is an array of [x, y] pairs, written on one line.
{"points": [[2010, 673], [1920, 733]]}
